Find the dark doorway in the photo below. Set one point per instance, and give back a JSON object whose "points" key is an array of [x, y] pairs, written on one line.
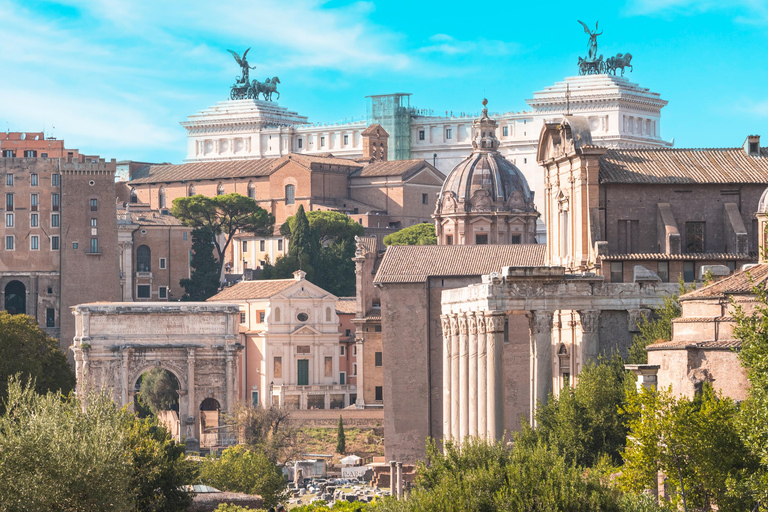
{"points": [[16, 298]]}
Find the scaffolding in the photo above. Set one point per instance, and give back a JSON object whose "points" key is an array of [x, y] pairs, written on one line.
{"points": [[393, 113]]}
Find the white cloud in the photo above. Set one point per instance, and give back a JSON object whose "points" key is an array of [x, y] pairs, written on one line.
{"points": [[448, 45], [743, 11]]}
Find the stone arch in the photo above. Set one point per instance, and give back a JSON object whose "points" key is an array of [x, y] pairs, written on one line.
{"points": [[180, 377], [15, 298], [252, 190]]}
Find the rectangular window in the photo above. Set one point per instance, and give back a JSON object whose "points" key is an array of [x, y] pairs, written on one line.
{"points": [[184, 236], [262, 245], [94, 223], [162, 263], [354, 352], [354, 369], [300, 143], [9, 243], [277, 368], [377, 358], [30, 153], [329, 367], [50, 317], [9, 180], [245, 246], [143, 291], [376, 328], [94, 205], [54, 220], [43, 155], [629, 236], [279, 244], [342, 378], [448, 239], [421, 134], [342, 349], [55, 202], [302, 372], [55, 180], [424, 198], [9, 220], [262, 316], [75, 245], [34, 243], [379, 394], [322, 141], [448, 133], [346, 140], [617, 272], [662, 270], [33, 180], [7, 153], [54, 243], [481, 239], [33, 203], [255, 398], [162, 292], [94, 245], [516, 239], [504, 131], [9, 202], [242, 317], [694, 237], [689, 271], [34, 220]]}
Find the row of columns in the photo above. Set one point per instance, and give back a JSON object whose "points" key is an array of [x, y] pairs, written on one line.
{"points": [[473, 344]]}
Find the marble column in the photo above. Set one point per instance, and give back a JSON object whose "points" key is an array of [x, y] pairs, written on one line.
{"points": [[482, 377], [494, 329], [541, 347], [446, 325], [399, 480], [472, 401], [455, 395], [229, 354], [590, 339], [125, 371], [463, 377], [392, 478], [360, 401]]}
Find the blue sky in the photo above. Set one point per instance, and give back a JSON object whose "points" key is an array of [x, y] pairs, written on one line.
{"points": [[115, 77]]}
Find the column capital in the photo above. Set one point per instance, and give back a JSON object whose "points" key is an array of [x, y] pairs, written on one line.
{"points": [[472, 321], [454, 325], [540, 321], [494, 321], [463, 327], [445, 322], [636, 317], [589, 319], [480, 318]]}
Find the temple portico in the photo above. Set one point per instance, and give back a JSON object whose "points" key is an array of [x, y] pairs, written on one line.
{"points": [[563, 317]]}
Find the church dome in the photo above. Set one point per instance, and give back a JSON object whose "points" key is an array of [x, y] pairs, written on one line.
{"points": [[485, 180]]}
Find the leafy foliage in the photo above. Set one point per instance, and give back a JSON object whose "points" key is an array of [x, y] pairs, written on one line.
{"points": [[657, 327], [26, 350], [341, 440], [338, 506], [266, 430], [204, 280], [242, 470], [223, 215], [585, 423], [324, 252], [694, 442], [418, 234], [159, 390]]}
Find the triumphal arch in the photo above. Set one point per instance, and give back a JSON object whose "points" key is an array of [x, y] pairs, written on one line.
{"points": [[198, 342]]}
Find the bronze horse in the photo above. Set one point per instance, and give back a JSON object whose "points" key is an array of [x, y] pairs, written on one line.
{"points": [[620, 61], [266, 88]]}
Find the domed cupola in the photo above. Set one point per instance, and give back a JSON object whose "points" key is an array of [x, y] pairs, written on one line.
{"points": [[485, 199]]}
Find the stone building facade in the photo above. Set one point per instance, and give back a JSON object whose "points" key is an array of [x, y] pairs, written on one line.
{"points": [[59, 238]]}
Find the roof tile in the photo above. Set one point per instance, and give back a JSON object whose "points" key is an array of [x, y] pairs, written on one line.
{"points": [[346, 305], [739, 283], [245, 290]]}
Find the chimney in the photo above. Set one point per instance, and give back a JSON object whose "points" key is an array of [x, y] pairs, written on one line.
{"points": [[752, 145], [375, 143]]}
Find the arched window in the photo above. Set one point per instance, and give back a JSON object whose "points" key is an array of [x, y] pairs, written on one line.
{"points": [[143, 259], [220, 189], [191, 190], [161, 197], [16, 298], [134, 197], [327, 314], [277, 314], [565, 365], [251, 190], [290, 194]]}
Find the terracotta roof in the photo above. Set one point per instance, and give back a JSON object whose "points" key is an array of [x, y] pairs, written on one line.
{"points": [[711, 344], [678, 257], [375, 129], [682, 166], [369, 243], [147, 218], [740, 282], [413, 264], [253, 290], [404, 168], [346, 305], [373, 314], [324, 162]]}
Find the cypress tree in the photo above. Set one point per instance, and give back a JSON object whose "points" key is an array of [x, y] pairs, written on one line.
{"points": [[301, 238], [204, 281], [341, 439]]}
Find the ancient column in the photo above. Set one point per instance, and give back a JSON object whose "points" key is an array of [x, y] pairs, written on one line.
{"points": [[192, 407], [494, 342], [125, 354], [399, 480], [360, 402], [228, 354], [392, 478], [590, 340], [463, 377], [541, 347], [482, 377], [455, 396], [472, 401], [446, 325]]}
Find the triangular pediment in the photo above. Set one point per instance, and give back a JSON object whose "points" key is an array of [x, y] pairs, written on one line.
{"points": [[480, 219], [304, 290], [305, 330]]}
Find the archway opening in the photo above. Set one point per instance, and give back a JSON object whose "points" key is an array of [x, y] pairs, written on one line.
{"points": [[209, 422], [16, 298], [157, 394]]}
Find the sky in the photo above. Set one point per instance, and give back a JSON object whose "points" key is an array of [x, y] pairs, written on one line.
{"points": [[116, 77]]}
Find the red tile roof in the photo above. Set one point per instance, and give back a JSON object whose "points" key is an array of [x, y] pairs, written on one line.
{"points": [[346, 305], [414, 264], [712, 344], [653, 256], [739, 283], [404, 168], [245, 290]]}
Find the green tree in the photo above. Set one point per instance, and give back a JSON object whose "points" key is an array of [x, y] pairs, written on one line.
{"points": [[205, 278], [159, 469], [303, 245], [224, 216], [657, 327], [695, 443], [267, 430], [242, 470], [159, 390], [418, 234], [586, 422], [26, 350], [341, 439]]}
